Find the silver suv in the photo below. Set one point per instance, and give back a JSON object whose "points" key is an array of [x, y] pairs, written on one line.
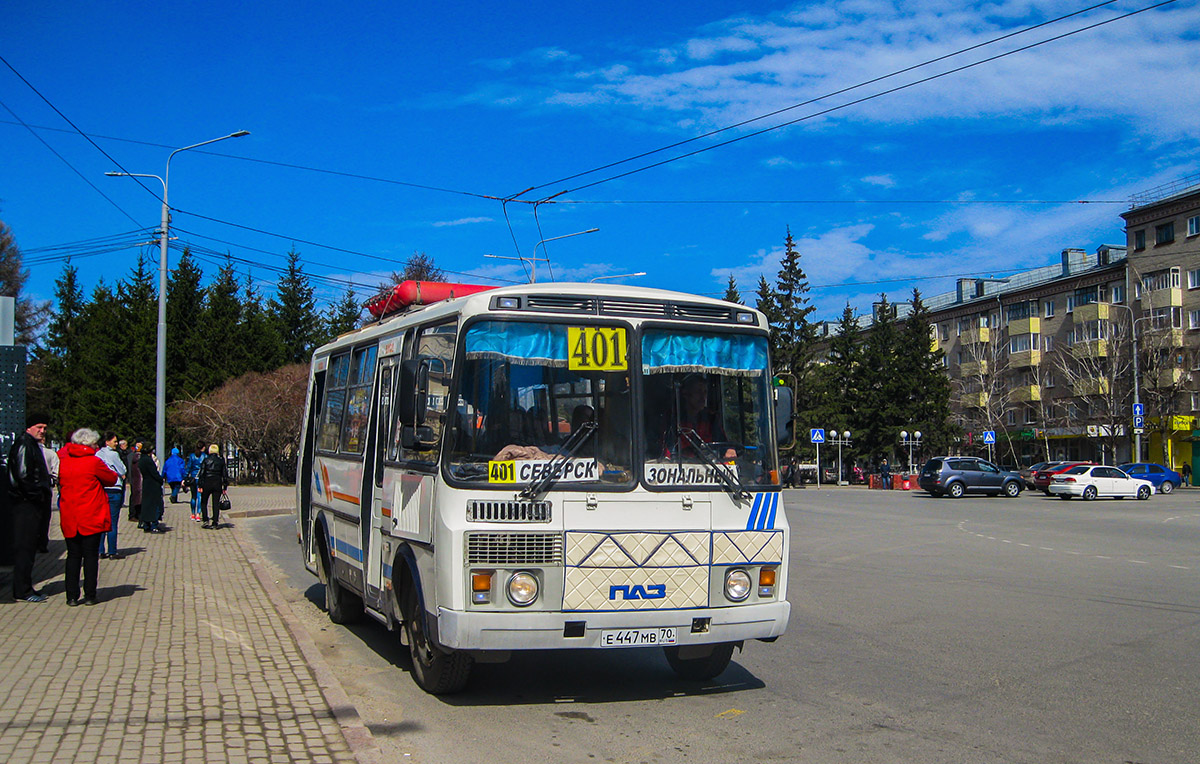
{"points": [[957, 475]]}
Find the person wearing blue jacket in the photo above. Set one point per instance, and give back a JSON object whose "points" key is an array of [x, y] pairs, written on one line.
{"points": [[192, 468], [173, 472]]}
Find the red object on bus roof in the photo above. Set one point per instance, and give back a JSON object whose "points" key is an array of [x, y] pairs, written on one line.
{"points": [[419, 293]]}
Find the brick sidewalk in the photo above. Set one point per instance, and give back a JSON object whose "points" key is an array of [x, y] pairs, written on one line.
{"points": [[185, 658]]}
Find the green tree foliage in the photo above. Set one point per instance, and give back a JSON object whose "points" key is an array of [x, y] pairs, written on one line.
{"points": [[219, 328], [765, 302], [54, 381], [795, 332], [343, 316], [30, 315], [881, 400], [922, 377], [418, 267], [185, 312], [731, 291], [294, 310]]}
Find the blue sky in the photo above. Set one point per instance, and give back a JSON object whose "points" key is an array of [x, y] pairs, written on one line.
{"points": [[435, 106]]}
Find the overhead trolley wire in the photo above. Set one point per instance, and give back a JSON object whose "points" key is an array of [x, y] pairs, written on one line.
{"points": [[848, 104]]}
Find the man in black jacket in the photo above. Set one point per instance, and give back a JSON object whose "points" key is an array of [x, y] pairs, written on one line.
{"points": [[29, 491]]}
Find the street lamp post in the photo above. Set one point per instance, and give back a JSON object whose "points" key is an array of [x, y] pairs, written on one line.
{"points": [[160, 385], [910, 440], [617, 276], [840, 440]]}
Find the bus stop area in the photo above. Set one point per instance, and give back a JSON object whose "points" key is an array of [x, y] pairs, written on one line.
{"points": [[190, 655]]}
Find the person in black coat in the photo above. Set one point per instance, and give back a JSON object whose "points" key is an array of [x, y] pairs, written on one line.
{"points": [[151, 511], [29, 493], [212, 479]]}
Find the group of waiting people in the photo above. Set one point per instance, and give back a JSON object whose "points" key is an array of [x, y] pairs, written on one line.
{"points": [[91, 481]]}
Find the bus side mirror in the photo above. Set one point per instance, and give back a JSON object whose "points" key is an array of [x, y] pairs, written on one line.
{"points": [[785, 410], [414, 391]]}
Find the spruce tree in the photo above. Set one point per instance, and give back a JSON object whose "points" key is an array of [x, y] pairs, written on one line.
{"points": [[294, 310], [731, 291], [343, 316], [883, 416], [137, 326], [261, 344], [922, 376], [796, 333], [185, 310], [61, 381], [219, 327], [767, 304]]}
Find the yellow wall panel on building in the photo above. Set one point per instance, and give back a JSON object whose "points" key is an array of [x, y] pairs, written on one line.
{"points": [[1163, 298], [1026, 393], [976, 336], [1093, 311], [1031, 325], [1090, 349], [974, 368], [1025, 358]]}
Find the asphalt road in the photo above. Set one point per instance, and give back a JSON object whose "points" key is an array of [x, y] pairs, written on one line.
{"points": [[923, 630]]}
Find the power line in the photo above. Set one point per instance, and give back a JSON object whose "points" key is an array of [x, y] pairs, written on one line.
{"points": [[864, 99], [842, 201], [810, 101]]}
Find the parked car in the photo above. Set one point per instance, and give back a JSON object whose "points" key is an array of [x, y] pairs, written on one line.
{"points": [[1026, 473], [1094, 481], [1042, 478], [957, 475], [1162, 478]]}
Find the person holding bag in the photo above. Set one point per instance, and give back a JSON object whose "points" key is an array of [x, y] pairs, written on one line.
{"points": [[212, 479]]}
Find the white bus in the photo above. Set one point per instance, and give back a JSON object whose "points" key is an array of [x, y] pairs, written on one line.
{"points": [[548, 466]]}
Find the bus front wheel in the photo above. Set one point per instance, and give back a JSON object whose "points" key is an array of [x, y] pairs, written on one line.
{"points": [[436, 671], [700, 668]]}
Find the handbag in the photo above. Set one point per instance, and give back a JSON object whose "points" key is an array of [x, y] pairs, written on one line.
{"points": [[224, 502]]}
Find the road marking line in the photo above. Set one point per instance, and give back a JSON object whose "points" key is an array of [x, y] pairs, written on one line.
{"points": [[1102, 557], [1138, 562], [1180, 567], [1027, 546]]}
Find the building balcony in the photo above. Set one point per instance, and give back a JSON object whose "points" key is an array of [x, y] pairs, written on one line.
{"points": [[1161, 338], [1090, 349], [975, 400], [1098, 386], [1031, 325], [974, 368], [1024, 358], [1163, 298], [1093, 311], [979, 336], [1169, 377], [1025, 394]]}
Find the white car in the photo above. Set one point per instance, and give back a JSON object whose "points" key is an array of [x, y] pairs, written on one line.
{"points": [[1093, 481]]}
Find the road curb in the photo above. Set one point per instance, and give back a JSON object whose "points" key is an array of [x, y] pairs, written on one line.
{"points": [[358, 736]]}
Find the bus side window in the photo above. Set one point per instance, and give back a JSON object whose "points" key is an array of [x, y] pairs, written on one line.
{"points": [[358, 407], [385, 417], [434, 352], [334, 404]]}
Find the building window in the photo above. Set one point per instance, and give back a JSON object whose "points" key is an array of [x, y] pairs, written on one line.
{"points": [[1048, 308], [1047, 342], [1194, 319], [945, 332], [1021, 310], [1165, 233], [1195, 401], [1194, 225], [1022, 342], [1118, 294], [1070, 303], [1011, 416], [1166, 318], [1139, 239], [1164, 279], [1194, 279], [958, 358], [1030, 415], [1049, 379]]}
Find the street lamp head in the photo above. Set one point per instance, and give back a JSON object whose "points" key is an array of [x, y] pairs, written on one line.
{"points": [[904, 435], [239, 133], [114, 174], [917, 434], [846, 435]]}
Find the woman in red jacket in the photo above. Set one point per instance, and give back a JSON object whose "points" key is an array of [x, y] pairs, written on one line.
{"points": [[84, 511]]}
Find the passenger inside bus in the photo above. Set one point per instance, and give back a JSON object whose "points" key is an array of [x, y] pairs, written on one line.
{"points": [[691, 402]]}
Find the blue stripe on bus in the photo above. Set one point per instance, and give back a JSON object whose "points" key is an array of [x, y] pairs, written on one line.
{"points": [[762, 512], [754, 509], [349, 550], [769, 522]]}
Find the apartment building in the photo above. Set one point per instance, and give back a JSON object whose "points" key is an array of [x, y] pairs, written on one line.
{"points": [[1046, 358]]}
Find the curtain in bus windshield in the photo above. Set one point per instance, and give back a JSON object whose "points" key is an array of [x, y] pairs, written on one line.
{"points": [[706, 408], [522, 401]]}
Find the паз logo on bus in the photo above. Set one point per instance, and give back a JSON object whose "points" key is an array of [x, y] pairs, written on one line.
{"points": [[638, 592]]}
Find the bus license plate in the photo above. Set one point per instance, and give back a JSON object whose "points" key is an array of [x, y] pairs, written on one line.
{"points": [[637, 637]]}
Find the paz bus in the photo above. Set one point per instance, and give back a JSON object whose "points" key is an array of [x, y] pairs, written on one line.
{"points": [[548, 466]]}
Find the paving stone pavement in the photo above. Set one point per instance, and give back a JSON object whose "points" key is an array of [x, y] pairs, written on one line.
{"points": [[186, 658]]}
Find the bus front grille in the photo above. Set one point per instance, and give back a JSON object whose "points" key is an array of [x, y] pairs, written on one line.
{"points": [[508, 511], [506, 549]]}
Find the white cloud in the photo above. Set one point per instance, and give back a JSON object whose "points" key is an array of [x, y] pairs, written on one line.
{"points": [[886, 181], [460, 221]]}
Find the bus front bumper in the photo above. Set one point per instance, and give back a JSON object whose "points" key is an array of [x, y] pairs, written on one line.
{"points": [[459, 630]]}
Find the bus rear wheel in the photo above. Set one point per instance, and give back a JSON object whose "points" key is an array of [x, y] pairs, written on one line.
{"points": [[702, 668], [342, 606], [436, 671]]}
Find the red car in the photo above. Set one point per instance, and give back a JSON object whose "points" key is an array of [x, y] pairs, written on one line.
{"points": [[1042, 478]]}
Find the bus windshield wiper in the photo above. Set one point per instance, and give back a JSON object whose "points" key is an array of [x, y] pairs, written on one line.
{"points": [[554, 471], [722, 471]]}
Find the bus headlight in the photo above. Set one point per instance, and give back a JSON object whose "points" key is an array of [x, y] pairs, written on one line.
{"points": [[737, 585], [523, 589]]}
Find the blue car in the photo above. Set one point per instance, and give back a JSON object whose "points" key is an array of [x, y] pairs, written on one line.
{"points": [[1165, 480]]}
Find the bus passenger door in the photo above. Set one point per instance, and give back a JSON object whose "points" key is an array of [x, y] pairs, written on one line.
{"points": [[379, 523]]}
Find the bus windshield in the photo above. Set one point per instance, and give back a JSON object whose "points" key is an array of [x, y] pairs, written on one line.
{"points": [[526, 388], [706, 409]]}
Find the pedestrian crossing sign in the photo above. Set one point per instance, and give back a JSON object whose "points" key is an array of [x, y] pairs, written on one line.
{"points": [[817, 434]]}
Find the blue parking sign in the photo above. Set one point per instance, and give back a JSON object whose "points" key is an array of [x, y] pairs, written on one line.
{"points": [[817, 434]]}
